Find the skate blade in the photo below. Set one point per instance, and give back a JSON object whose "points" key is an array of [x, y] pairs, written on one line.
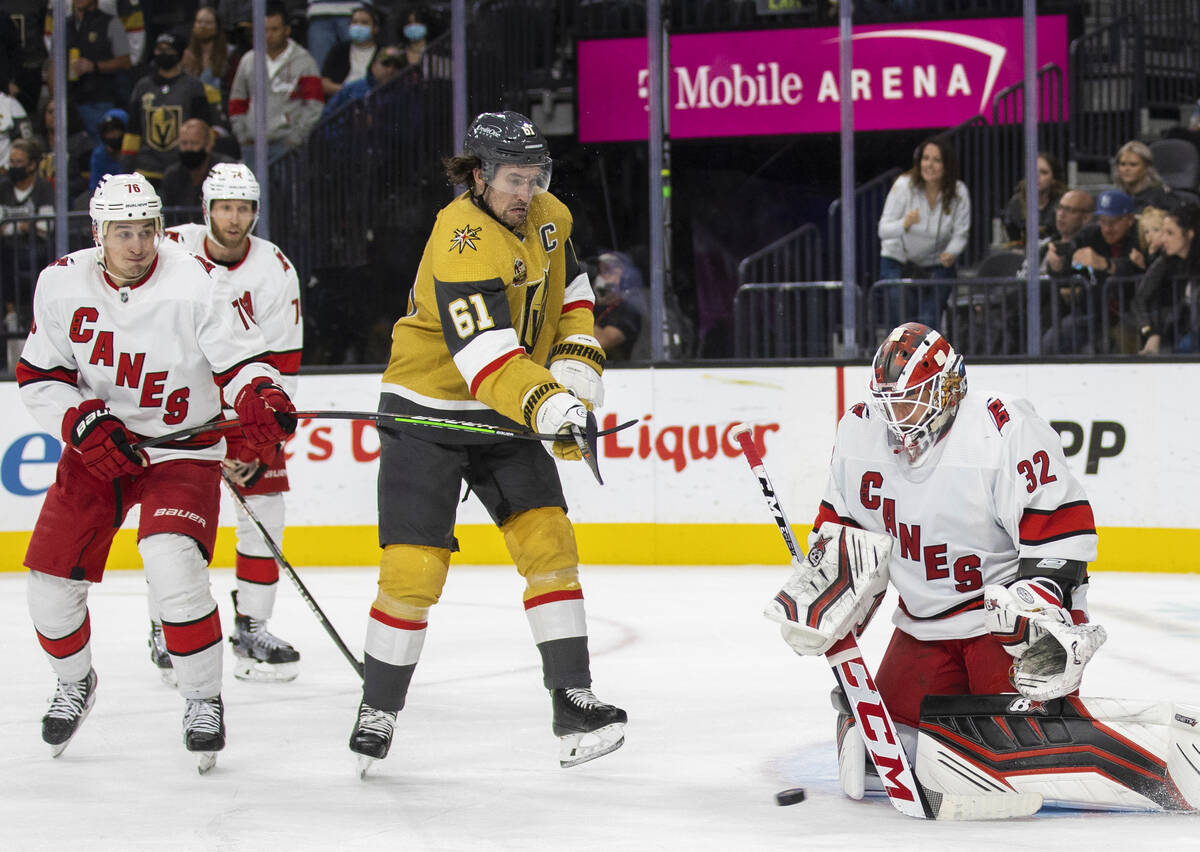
{"points": [[575, 749], [260, 672], [56, 750], [205, 761], [364, 763]]}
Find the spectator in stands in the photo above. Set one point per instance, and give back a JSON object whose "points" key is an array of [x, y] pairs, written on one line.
{"points": [[294, 97], [328, 25], [161, 102], [416, 35], [923, 230], [348, 61], [1164, 308], [1149, 231], [1073, 211], [1051, 188], [79, 153], [388, 63], [207, 54], [106, 157], [620, 304], [14, 124], [1135, 175], [97, 51], [12, 326], [23, 192], [1098, 252], [182, 181]]}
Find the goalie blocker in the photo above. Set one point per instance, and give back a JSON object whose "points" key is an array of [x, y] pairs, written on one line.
{"points": [[1094, 753]]}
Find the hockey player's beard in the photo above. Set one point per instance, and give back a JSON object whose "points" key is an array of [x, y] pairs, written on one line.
{"points": [[228, 242]]}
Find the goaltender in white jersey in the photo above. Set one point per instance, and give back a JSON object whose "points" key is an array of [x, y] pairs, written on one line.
{"points": [[266, 292]]}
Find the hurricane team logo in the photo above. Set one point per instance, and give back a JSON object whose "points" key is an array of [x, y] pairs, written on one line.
{"points": [[464, 238]]}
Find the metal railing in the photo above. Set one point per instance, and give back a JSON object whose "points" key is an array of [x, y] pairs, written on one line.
{"points": [[796, 256], [1108, 90], [868, 204], [980, 316], [1171, 60]]}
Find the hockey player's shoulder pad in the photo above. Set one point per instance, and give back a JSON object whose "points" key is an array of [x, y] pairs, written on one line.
{"points": [[468, 245]]}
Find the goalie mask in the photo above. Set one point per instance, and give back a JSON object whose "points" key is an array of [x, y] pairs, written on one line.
{"points": [[229, 182], [124, 198], [509, 139], [917, 383]]}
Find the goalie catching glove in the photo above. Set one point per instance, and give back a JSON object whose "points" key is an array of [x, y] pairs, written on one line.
{"points": [[1030, 622], [836, 588], [576, 363], [102, 441]]}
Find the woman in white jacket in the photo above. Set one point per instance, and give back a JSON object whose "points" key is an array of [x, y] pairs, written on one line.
{"points": [[922, 232]]}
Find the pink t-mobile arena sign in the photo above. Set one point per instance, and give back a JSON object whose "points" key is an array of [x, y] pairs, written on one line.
{"points": [[931, 74]]}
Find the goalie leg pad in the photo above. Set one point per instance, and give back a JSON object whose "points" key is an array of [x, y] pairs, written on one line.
{"points": [[834, 589], [1098, 753]]}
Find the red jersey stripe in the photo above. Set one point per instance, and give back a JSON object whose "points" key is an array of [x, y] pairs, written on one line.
{"points": [[551, 597], [1039, 526], [308, 88], [191, 637], [574, 306], [28, 374], [493, 367], [399, 623], [826, 512], [72, 643], [287, 363]]}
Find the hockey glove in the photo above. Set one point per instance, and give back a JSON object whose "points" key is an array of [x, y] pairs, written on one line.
{"points": [[244, 464], [576, 364], [558, 414], [102, 441], [265, 412]]}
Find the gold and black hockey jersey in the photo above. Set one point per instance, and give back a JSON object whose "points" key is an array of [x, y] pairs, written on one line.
{"points": [[487, 309]]}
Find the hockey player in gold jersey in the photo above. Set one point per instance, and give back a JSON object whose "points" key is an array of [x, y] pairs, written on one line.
{"points": [[498, 330]]}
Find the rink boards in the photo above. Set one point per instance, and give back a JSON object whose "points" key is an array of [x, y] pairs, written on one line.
{"points": [[676, 491]]}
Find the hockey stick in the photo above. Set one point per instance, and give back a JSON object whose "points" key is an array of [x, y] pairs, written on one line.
{"points": [[291, 572], [378, 417], [905, 793]]}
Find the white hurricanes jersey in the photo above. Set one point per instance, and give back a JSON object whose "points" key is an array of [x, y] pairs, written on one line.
{"points": [[995, 489], [266, 290], [157, 352]]}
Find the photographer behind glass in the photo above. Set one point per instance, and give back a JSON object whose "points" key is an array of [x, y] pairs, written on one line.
{"points": [[620, 292]]}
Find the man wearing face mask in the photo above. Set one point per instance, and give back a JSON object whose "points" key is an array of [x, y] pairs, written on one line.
{"points": [[349, 60], [183, 179], [106, 157], [161, 102]]}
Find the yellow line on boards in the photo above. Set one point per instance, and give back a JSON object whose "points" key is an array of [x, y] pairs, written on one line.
{"points": [[1121, 548]]}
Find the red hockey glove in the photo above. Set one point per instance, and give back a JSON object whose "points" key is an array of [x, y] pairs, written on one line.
{"points": [[245, 464], [265, 412], [102, 441]]}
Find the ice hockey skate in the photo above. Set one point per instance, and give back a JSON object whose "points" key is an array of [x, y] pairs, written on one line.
{"points": [[159, 655], [372, 736], [258, 654], [587, 728], [70, 705], [204, 730]]}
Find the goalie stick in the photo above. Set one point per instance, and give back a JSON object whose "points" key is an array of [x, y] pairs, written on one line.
{"points": [[903, 789], [378, 417], [291, 572]]}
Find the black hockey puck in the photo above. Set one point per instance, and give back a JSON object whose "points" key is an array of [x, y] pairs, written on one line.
{"points": [[790, 796]]}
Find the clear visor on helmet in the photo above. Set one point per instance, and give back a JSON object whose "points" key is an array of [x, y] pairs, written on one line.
{"points": [[523, 180]]}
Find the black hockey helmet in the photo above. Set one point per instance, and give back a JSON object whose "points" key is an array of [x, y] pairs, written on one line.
{"points": [[506, 138]]}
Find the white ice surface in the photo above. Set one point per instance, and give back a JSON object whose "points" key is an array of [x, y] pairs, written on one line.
{"points": [[722, 715]]}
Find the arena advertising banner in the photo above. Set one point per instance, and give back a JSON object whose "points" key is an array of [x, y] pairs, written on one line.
{"points": [[676, 490], [923, 74]]}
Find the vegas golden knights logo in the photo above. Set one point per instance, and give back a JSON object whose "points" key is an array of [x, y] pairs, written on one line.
{"points": [[534, 310], [162, 126]]}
